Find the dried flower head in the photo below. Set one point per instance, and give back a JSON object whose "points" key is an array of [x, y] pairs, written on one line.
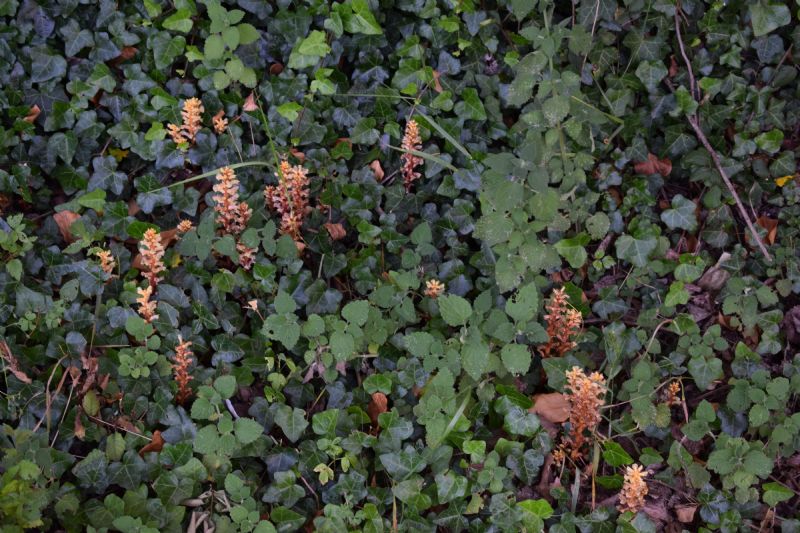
{"points": [[176, 133], [183, 359], [634, 489], [184, 226], [290, 198], [247, 255], [107, 262], [147, 307], [585, 398], [152, 250], [220, 122], [563, 324], [433, 288], [673, 390], [411, 141], [231, 213]]}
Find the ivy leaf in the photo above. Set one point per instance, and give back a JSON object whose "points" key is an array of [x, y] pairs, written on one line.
{"points": [[291, 420], [635, 251], [766, 16], [455, 310], [615, 455]]}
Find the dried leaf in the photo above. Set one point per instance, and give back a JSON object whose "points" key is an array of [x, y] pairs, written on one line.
{"points": [[437, 86], [154, 445], [335, 230], [552, 407], [77, 428], [298, 154], [250, 103], [377, 405], [780, 182], [654, 165], [64, 220], [275, 69], [12, 364], [771, 225], [33, 114], [377, 169], [685, 513], [673, 66]]}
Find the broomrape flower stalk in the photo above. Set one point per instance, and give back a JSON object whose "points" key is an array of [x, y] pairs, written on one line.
{"points": [[634, 489], [192, 115], [147, 307], [247, 255], [289, 198], [183, 359], [152, 251], [411, 141], [585, 399], [433, 288], [220, 122], [231, 213], [563, 324], [184, 226], [106, 261]]}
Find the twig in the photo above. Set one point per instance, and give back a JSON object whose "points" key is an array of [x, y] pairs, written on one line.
{"points": [[230, 407], [694, 122]]}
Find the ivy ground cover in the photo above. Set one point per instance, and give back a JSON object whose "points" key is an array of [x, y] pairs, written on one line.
{"points": [[399, 265]]}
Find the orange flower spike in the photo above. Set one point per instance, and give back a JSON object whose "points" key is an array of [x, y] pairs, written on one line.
{"points": [[107, 262], [152, 250], [411, 141], [433, 288], [192, 117], [220, 122], [176, 133], [184, 226], [147, 307], [290, 198], [232, 214], [586, 397], [634, 489], [183, 359]]}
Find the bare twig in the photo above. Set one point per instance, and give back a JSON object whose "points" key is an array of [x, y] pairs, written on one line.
{"points": [[694, 122]]}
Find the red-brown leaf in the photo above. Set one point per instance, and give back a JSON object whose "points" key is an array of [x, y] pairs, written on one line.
{"points": [[154, 445], [654, 165], [64, 220], [377, 405], [335, 230]]}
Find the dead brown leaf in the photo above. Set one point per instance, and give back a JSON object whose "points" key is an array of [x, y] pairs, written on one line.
{"points": [[377, 170], [673, 66], [275, 69], [250, 103], [771, 225], [32, 114], [437, 86], [377, 405], [298, 154], [552, 407], [12, 364], [64, 220], [77, 428], [154, 445], [685, 513], [654, 165], [335, 230]]}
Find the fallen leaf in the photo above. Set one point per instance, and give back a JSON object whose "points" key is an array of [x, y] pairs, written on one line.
{"points": [[64, 220], [118, 153], [685, 513], [154, 445], [552, 407], [654, 165], [335, 230], [673, 66], [77, 429], [32, 114], [275, 69], [437, 86], [377, 169], [377, 405], [133, 208], [771, 225], [127, 53], [780, 182], [298, 154], [12, 364], [250, 103]]}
